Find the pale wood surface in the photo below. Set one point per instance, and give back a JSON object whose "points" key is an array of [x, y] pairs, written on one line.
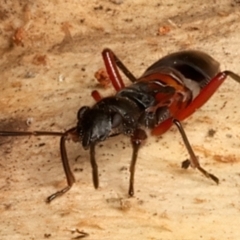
{"points": [[170, 203]]}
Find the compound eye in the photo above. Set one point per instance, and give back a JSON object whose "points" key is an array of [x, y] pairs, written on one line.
{"points": [[81, 112], [116, 120]]}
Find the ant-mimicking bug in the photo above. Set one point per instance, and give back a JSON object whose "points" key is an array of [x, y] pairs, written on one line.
{"points": [[169, 91]]}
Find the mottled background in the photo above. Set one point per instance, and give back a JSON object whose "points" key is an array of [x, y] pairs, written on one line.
{"points": [[50, 51]]}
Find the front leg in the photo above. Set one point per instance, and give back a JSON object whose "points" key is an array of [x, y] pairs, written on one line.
{"points": [[138, 136], [94, 166]]}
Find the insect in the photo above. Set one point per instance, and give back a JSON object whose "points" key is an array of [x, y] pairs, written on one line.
{"points": [[169, 91]]}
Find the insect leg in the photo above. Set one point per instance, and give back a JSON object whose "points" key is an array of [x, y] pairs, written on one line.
{"points": [[112, 62], [137, 138], [96, 95], [94, 165], [206, 93], [35, 133], [193, 158], [69, 175]]}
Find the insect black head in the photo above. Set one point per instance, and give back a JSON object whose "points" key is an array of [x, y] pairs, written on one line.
{"points": [[94, 125]]}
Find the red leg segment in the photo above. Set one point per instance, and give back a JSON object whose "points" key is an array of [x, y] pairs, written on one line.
{"points": [[96, 95], [203, 97], [112, 70], [112, 63]]}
